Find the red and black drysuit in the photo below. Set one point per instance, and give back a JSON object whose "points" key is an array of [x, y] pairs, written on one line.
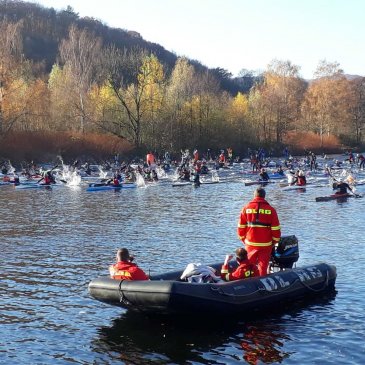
{"points": [[259, 229]]}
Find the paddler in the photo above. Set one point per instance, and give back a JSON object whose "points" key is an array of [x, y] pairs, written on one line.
{"points": [[341, 187], [264, 176]]}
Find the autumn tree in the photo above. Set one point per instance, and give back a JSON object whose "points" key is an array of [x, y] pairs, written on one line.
{"points": [[152, 74], [63, 105], [237, 115], [80, 56], [277, 100], [10, 72], [201, 110], [136, 80], [325, 106], [357, 108], [180, 90]]}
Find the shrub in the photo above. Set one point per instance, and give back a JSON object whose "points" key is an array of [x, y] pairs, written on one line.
{"points": [[47, 146], [300, 141]]}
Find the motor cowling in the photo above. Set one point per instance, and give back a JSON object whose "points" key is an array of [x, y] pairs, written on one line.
{"points": [[286, 252]]}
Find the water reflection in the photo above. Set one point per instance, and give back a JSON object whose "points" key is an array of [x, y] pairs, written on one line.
{"points": [[138, 339], [264, 343]]}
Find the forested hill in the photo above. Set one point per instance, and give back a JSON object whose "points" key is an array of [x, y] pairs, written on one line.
{"points": [[44, 28]]}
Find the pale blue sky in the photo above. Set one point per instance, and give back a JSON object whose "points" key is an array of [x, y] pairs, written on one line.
{"points": [[236, 34]]}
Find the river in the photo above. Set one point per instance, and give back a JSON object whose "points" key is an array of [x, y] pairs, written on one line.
{"points": [[53, 242]]}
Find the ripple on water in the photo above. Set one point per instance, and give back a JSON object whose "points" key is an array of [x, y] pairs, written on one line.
{"points": [[55, 242]]}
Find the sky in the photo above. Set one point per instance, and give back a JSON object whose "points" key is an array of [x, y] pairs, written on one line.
{"points": [[241, 34]]}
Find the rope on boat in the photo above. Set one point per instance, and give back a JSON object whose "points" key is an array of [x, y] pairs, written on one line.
{"points": [[263, 289], [325, 284], [122, 298], [221, 291]]}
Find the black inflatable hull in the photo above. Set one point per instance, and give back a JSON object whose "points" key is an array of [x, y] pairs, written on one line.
{"points": [[165, 294]]}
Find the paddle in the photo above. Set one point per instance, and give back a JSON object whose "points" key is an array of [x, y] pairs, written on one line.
{"points": [[55, 167]]}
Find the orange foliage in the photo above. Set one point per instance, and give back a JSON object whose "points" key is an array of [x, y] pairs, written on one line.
{"points": [[300, 141], [46, 146]]}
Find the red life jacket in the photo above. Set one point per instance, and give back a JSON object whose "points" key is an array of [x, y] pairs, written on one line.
{"points": [[125, 270], [301, 181], [244, 270]]}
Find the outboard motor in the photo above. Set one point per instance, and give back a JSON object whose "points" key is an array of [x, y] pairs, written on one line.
{"points": [[285, 253]]}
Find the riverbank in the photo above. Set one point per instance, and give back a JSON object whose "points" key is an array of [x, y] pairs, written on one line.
{"points": [[43, 147]]}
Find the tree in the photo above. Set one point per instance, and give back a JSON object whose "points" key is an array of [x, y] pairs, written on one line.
{"points": [[278, 99], [357, 108], [80, 55], [63, 107], [180, 90], [136, 79], [325, 106], [10, 71], [237, 116]]}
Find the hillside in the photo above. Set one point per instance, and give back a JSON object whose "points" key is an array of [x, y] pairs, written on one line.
{"points": [[44, 29]]}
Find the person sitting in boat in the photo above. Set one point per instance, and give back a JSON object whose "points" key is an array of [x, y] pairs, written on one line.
{"points": [[204, 168], [49, 178], [125, 269], [244, 270], [117, 179], [221, 159], [301, 179], [264, 176], [16, 180], [341, 187], [185, 174], [280, 170]]}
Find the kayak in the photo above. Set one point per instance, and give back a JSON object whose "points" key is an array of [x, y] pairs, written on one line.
{"points": [[129, 185], [259, 182], [189, 183], [296, 187], [336, 196], [209, 182], [97, 187], [102, 187], [182, 183], [36, 186]]}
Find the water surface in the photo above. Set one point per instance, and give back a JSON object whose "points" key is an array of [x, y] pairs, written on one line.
{"points": [[54, 242]]}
